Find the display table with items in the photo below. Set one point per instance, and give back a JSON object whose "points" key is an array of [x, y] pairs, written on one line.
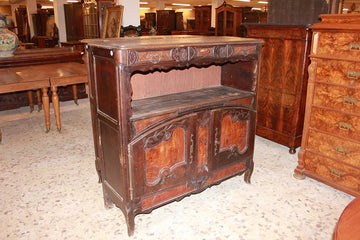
{"points": [[172, 116]]}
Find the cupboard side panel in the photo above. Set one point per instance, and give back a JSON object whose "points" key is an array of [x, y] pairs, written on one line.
{"points": [[239, 75], [106, 86]]}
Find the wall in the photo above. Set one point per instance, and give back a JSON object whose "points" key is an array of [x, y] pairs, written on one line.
{"points": [[299, 12]]}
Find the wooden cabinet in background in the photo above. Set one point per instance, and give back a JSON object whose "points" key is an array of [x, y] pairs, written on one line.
{"points": [[101, 5], [228, 20], [179, 21], [91, 24], [164, 130], [330, 148], [150, 20], [165, 21], [202, 18], [283, 81], [74, 21]]}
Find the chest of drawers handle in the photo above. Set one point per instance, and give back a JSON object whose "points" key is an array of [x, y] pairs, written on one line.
{"points": [[336, 173], [349, 101], [355, 47], [345, 126], [353, 75], [340, 150]]}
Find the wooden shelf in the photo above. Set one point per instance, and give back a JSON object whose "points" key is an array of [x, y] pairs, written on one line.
{"points": [[185, 100]]}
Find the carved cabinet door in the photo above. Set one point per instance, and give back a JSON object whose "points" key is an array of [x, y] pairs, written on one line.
{"points": [[231, 133], [162, 156]]}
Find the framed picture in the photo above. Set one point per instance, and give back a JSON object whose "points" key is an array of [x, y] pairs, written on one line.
{"points": [[112, 22]]}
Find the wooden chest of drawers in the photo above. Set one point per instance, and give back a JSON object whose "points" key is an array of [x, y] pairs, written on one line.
{"points": [[171, 116], [330, 149]]}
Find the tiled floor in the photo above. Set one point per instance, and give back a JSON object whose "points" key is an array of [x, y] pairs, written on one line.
{"points": [[49, 190]]}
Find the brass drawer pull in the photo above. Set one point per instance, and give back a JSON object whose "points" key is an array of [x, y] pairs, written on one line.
{"points": [[340, 150], [345, 126], [353, 74], [355, 47], [336, 173], [349, 101]]}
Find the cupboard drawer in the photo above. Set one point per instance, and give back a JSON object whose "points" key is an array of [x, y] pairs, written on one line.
{"points": [[337, 44], [337, 97], [345, 73], [337, 123], [334, 147], [333, 171]]}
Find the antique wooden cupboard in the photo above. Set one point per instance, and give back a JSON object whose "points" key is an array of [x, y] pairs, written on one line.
{"points": [[228, 20], [172, 115], [202, 18], [330, 148], [283, 81]]}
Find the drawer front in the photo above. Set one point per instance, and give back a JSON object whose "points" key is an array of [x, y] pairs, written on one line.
{"points": [[337, 123], [334, 147], [345, 73], [333, 171], [338, 44], [337, 97]]}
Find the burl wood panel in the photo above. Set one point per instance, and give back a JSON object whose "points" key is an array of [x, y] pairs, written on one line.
{"points": [[333, 172], [337, 97], [334, 147], [336, 122]]}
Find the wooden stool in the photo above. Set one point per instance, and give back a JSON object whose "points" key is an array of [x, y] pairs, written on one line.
{"points": [[348, 226]]}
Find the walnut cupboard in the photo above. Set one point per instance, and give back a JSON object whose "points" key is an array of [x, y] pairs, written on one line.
{"points": [[330, 148], [171, 116], [283, 81]]}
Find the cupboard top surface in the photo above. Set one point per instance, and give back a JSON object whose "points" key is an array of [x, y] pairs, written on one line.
{"points": [[155, 42]]}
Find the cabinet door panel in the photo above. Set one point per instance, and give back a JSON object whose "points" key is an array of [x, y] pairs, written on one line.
{"points": [[161, 156], [231, 131], [281, 66]]}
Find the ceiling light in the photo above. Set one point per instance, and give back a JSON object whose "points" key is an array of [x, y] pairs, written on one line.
{"points": [[47, 7], [181, 4], [143, 2], [243, 0], [145, 8], [264, 2], [72, 1], [256, 9], [184, 9]]}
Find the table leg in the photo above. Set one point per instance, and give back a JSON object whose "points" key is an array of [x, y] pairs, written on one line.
{"points": [[56, 105], [39, 102], [46, 102], [74, 87], [31, 103]]}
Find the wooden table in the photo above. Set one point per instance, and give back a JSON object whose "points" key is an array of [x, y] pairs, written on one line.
{"points": [[348, 226], [43, 77], [33, 69]]}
